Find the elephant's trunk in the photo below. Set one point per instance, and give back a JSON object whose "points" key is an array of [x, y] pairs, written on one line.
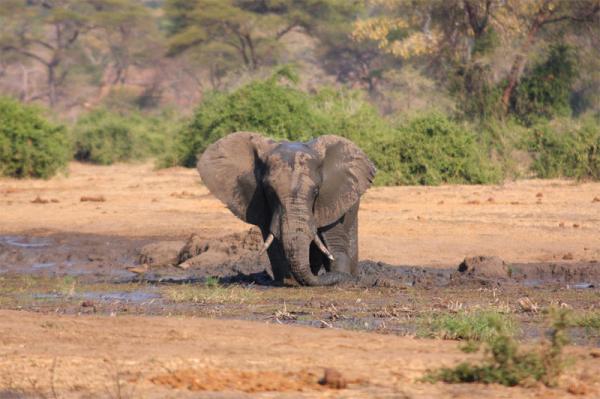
{"points": [[297, 238]]}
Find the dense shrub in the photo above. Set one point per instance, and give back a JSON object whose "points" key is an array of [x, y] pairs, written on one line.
{"points": [[545, 92], [427, 150], [478, 96], [431, 150], [105, 137], [566, 148], [30, 146], [265, 106]]}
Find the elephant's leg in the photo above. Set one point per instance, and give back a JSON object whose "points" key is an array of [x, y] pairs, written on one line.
{"points": [[342, 241], [279, 263], [317, 260]]}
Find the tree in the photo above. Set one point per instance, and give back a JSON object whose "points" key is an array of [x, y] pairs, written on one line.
{"points": [[532, 17], [452, 32], [125, 35], [46, 32]]}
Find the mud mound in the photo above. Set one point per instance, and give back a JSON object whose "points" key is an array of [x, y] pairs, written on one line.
{"points": [[162, 253], [238, 380], [232, 258], [484, 266], [201, 253]]}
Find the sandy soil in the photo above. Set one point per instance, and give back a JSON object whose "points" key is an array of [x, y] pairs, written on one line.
{"points": [[525, 221], [50, 355], [129, 356]]}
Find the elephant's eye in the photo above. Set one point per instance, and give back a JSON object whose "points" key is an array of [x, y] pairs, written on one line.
{"points": [[316, 191]]}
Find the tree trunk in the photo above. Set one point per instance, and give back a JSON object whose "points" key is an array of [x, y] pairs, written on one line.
{"points": [[51, 80], [519, 63]]}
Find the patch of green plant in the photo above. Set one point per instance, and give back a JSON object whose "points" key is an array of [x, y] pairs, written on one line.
{"points": [[545, 91], [431, 150], [566, 148], [105, 137], [509, 364], [476, 326], [478, 96], [209, 294], [30, 145], [212, 282], [590, 321]]}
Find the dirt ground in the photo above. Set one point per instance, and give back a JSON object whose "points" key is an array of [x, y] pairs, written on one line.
{"points": [[97, 299]]}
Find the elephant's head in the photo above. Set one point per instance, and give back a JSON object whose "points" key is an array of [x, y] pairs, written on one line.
{"points": [[287, 189]]}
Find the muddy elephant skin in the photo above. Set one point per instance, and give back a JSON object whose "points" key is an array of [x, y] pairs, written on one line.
{"points": [[303, 196]]}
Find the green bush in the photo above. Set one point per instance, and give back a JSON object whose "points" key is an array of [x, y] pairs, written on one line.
{"points": [[508, 364], [105, 137], [566, 148], [426, 150], [432, 150], [545, 92], [30, 145], [477, 326], [265, 106]]}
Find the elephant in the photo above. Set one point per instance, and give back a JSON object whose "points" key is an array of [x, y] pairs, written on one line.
{"points": [[304, 197]]}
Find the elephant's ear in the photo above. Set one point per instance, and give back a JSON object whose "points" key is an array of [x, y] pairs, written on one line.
{"points": [[231, 169], [347, 173]]}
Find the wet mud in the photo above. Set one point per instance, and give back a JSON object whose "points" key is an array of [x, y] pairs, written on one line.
{"points": [[235, 258], [227, 278]]}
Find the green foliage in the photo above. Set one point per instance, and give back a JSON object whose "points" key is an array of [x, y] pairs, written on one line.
{"points": [[426, 150], [565, 148], [508, 364], [105, 137], [545, 92], [479, 96], [431, 150], [278, 110], [477, 326], [30, 145], [590, 321]]}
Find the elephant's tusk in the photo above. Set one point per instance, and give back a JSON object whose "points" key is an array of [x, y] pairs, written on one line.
{"points": [[323, 248], [268, 243]]}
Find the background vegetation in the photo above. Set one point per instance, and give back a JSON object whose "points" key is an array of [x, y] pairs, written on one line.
{"points": [[460, 91]]}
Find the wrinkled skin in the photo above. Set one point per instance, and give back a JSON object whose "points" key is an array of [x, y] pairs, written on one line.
{"points": [[299, 193]]}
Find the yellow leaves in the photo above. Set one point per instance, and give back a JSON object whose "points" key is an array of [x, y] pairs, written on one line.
{"points": [[395, 36], [377, 29], [417, 43]]}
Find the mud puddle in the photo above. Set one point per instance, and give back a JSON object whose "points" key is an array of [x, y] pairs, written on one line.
{"points": [[225, 278], [234, 259]]}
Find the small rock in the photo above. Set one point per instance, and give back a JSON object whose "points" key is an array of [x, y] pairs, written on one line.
{"points": [[539, 195], [39, 200], [87, 304], [576, 226], [578, 388], [561, 224], [441, 203], [89, 198], [473, 202], [568, 256], [491, 200], [596, 199], [515, 203], [595, 353], [333, 379]]}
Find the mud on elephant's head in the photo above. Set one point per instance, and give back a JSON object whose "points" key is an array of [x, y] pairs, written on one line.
{"points": [[290, 190]]}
